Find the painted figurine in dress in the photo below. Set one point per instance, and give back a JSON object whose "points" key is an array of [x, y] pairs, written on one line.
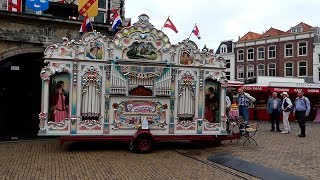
{"points": [[59, 102], [212, 105]]}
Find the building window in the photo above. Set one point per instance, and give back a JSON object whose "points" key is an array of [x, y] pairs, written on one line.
{"points": [[319, 58], [296, 30], [100, 18], [302, 68], [250, 55], [260, 53], [240, 71], [240, 55], [288, 50], [302, 48], [272, 70], [250, 71], [319, 74], [223, 49], [272, 52], [227, 63], [103, 8], [102, 11], [289, 69], [228, 75], [261, 70]]}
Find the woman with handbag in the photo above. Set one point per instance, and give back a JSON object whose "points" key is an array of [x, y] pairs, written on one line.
{"points": [[286, 108]]}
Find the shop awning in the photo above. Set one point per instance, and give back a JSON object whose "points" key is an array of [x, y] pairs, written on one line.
{"points": [[235, 83], [307, 88]]}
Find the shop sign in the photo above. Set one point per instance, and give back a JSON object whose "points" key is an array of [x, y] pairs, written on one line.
{"points": [[295, 85], [255, 88], [279, 89], [295, 90]]}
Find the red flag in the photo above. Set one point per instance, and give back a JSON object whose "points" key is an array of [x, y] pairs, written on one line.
{"points": [[196, 31], [170, 25]]}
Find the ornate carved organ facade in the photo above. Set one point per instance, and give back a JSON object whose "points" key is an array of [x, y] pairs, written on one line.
{"points": [[114, 85]]}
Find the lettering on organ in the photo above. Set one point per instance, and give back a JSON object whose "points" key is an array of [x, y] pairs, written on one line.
{"points": [[144, 108]]}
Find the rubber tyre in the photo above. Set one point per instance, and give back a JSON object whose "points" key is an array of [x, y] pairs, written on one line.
{"points": [[142, 144]]}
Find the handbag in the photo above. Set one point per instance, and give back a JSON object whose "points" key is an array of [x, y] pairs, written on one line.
{"points": [[287, 110]]}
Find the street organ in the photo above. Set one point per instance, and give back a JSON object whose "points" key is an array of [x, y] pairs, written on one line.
{"points": [[136, 87]]}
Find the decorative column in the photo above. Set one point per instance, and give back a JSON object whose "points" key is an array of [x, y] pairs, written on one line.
{"points": [[172, 99], [73, 109], [222, 115], [200, 102], [107, 100]]}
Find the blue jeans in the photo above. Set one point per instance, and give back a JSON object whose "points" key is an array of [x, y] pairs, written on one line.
{"points": [[244, 112]]}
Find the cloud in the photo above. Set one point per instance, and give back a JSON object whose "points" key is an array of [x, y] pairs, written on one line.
{"points": [[224, 20]]}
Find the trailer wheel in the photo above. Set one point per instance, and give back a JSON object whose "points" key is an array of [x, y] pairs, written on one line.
{"points": [[142, 144]]}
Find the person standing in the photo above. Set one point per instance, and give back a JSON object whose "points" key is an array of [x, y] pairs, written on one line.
{"points": [[244, 100], [301, 111], [286, 108], [274, 109]]}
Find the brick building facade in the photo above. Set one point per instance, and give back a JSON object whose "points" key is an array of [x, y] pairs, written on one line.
{"points": [[276, 53]]}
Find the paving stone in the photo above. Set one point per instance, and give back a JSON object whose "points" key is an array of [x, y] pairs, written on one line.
{"points": [[286, 152], [45, 159]]}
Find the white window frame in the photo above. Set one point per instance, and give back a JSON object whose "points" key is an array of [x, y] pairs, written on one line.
{"points": [[250, 53], [238, 72], [298, 69], [275, 52], [298, 48], [264, 53], [238, 59], [264, 70], [285, 49], [223, 49], [285, 69], [249, 66], [296, 29], [275, 69]]}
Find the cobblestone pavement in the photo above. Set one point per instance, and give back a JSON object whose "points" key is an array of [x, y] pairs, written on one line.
{"points": [[45, 159], [286, 152]]}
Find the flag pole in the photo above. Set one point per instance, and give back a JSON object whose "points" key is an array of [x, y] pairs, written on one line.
{"points": [[164, 23], [90, 22], [91, 25], [192, 30]]}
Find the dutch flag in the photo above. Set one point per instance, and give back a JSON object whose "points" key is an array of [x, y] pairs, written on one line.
{"points": [[116, 21], [86, 25]]}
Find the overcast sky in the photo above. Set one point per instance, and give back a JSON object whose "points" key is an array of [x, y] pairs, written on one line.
{"points": [[224, 19]]}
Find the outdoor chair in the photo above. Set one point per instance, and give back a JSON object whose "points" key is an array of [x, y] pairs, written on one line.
{"points": [[247, 132]]}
